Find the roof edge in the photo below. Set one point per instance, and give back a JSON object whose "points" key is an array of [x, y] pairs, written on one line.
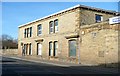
{"points": [[76, 6], [50, 15]]}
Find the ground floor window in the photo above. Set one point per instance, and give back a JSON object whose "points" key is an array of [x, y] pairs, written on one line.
{"points": [[30, 49], [50, 49], [72, 48], [55, 48], [39, 49], [23, 49], [27, 49]]}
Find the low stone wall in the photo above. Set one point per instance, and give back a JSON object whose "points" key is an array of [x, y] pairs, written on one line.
{"points": [[8, 51]]}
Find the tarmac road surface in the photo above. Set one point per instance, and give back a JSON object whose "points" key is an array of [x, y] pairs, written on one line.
{"points": [[16, 67]]}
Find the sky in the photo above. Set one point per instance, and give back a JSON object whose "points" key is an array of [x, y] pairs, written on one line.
{"points": [[18, 13]]}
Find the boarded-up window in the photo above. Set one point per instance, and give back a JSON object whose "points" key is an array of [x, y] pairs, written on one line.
{"points": [[72, 48], [101, 53]]}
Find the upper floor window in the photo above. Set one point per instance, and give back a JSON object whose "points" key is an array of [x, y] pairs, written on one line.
{"points": [[30, 31], [51, 27], [25, 33], [98, 18], [39, 29], [56, 25]]}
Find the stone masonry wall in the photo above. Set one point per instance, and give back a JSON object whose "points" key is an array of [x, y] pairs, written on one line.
{"points": [[99, 43], [66, 27], [88, 16], [8, 51]]}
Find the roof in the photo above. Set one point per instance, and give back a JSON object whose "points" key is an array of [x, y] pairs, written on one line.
{"points": [[77, 6]]}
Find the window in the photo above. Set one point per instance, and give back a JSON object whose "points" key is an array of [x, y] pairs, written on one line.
{"points": [[72, 48], [25, 49], [25, 33], [30, 49], [39, 49], [30, 31], [55, 48], [98, 18], [39, 29], [56, 25], [50, 49], [51, 27]]}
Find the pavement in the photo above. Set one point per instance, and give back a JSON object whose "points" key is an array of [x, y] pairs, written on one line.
{"points": [[39, 60]]}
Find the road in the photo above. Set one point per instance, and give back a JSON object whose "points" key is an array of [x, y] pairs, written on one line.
{"points": [[15, 67]]}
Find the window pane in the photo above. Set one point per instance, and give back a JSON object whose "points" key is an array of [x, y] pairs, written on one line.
{"points": [[56, 28], [30, 49], [39, 33], [56, 25], [55, 48], [50, 45], [98, 18], [39, 29], [72, 48], [25, 49], [25, 33], [30, 31], [51, 29], [51, 26], [50, 49]]}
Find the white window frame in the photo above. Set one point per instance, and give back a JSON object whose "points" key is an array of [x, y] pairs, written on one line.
{"points": [[101, 18], [50, 49], [30, 31], [39, 30], [55, 48], [51, 28], [56, 27]]}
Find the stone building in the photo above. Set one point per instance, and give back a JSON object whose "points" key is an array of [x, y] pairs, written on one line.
{"points": [[79, 34]]}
